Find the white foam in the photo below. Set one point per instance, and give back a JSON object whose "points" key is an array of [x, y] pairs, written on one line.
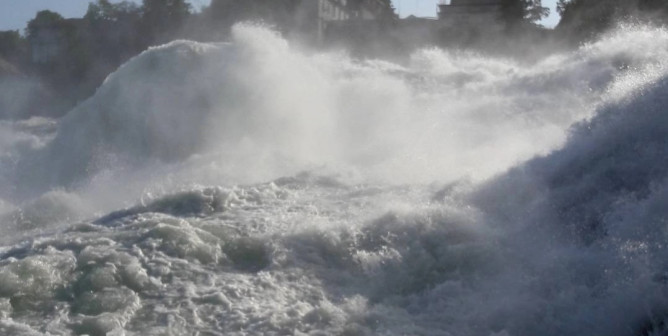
{"points": [[569, 242], [255, 109]]}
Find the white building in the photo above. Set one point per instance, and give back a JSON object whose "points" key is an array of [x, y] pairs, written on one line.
{"points": [[314, 16]]}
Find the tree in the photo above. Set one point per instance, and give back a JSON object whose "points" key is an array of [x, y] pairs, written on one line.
{"points": [[535, 11], [516, 13], [111, 33], [162, 19], [103, 10], [562, 5], [43, 18], [13, 46]]}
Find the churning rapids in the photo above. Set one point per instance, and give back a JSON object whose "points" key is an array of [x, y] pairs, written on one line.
{"points": [[248, 188]]}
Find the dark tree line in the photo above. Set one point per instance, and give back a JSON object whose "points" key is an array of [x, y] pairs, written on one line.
{"points": [[110, 33], [73, 56], [86, 50]]}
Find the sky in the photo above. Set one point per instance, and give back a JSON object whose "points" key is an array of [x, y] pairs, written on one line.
{"points": [[14, 14]]}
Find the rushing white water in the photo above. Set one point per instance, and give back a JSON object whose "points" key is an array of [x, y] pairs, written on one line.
{"points": [[249, 188]]}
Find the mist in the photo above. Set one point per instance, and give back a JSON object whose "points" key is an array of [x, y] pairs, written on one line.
{"points": [[255, 109], [251, 182]]}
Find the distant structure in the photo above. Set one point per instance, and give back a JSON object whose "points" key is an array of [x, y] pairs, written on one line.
{"points": [[470, 10], [369, 9], [50, 41], [46, 45], [316, 16]]}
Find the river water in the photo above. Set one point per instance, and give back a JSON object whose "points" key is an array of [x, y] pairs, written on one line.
{"points": [[250, 188]]}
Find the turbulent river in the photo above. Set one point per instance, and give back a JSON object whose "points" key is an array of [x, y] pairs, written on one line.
{"points": [[250, 188]]}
